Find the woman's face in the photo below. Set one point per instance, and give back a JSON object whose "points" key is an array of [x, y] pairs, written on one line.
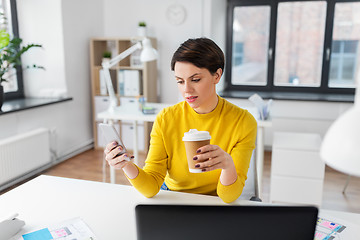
{"points": [[197, 86]]}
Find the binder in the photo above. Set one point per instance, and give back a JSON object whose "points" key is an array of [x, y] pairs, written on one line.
{"points": [[121, 83], [132, 85]]}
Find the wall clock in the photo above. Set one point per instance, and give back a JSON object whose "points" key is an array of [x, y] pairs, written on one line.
{"points": [[176, 14]]}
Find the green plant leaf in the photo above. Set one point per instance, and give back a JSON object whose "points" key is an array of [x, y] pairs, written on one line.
{"points": [[10, 56], [106, 54], [4, 39], [16, 41]]}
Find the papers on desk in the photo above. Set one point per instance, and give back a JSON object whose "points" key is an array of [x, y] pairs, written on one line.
{"points": [[262, 106], [73, 229], [328, 229]]}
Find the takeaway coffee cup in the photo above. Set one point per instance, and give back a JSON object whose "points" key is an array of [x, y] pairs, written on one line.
{"points": [[193, 140]]}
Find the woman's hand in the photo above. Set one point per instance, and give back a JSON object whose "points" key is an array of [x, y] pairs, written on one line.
{"points": [[211, 157], [111, 151]]}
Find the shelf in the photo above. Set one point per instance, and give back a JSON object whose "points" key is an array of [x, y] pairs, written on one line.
{"points": [[147, 78], [130, 68]]}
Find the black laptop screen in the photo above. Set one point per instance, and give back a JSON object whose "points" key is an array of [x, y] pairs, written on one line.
{"points": [[225, 222]]}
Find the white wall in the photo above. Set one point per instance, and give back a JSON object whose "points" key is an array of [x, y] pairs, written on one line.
{"points": [[82, 20], [64, 28], [122, 17], [214, 26], [33, 28]]}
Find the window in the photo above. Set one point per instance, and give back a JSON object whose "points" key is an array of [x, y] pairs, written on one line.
{"points": [[300, 28], [343, 63], [293, 46], [13, 88], [250, 44], [238, 53], [344, 66]]}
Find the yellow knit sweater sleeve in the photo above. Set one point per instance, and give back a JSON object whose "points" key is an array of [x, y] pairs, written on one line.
{"points": [[241, 155], [150, 179]]}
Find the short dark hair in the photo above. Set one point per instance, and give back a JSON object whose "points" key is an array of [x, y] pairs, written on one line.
{"points": [[202, 52]]}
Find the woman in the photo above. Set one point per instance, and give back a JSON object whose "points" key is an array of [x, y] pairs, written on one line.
{"points": [[198, 65]]}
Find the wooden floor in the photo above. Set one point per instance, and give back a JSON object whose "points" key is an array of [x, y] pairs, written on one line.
{"points": [[89, 166]]}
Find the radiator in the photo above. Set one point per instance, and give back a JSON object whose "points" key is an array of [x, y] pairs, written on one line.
{"points": [[23, 155]]}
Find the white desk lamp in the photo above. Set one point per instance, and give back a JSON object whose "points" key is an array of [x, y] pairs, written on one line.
{"points": [[341, 145], [148, 53]]}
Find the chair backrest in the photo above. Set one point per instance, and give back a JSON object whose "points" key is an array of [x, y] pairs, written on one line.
{"points": [[250, 191]]}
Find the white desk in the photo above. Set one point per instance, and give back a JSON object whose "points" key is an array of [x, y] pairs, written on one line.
{"points": [[130, 112], [260, 142], [108, 209], [260, 151]]}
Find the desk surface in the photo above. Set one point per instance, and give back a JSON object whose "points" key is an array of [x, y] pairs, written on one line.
{"points": [[132, 112], [108, 209]]}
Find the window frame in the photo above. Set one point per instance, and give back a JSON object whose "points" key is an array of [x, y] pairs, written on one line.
{"points": [[270, 87], [19, 76]]}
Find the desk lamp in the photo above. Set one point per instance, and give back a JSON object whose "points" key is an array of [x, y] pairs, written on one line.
{"points": [[148, 53], [341, 145]]}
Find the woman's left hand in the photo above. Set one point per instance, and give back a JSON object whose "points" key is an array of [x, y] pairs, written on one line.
{"points": [[211, 157]]}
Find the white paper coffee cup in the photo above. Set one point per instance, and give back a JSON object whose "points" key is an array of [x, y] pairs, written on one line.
{"points": [[193, 140]]}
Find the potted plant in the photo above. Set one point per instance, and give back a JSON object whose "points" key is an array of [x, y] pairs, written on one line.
{"points": [[106, 56], [10, 53], [142, 29]]}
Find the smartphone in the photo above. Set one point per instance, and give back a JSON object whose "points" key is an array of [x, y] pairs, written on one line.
{"points": [[110, 134]]}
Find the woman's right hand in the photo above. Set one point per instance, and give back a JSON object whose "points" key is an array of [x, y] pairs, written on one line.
{"points": [[111, 151]]}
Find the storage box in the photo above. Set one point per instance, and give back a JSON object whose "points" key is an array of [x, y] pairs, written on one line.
{"points": [[297, 171]]}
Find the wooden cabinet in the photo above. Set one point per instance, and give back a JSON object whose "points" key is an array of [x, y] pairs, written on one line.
{"points": [[131, 79]]}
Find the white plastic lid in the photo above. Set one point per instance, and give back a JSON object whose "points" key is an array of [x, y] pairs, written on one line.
{"points": [[195, 135]]}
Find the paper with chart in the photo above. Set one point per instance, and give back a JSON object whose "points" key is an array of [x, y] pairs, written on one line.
{"points": [[73, 229], [328, 229], [262, 106]]}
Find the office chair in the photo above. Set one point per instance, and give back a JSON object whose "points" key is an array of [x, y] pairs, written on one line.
{"points": [[346, 184], [251, 189]]}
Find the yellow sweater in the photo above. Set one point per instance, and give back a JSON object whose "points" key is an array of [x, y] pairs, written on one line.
{"points": [[231, 128]]}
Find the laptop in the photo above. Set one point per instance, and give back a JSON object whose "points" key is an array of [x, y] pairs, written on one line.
{"points": [[225, 222]]}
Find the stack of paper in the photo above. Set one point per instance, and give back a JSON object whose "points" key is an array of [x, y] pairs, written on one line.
{"points": [[261, 105], [68, 230], [328, 229]]}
